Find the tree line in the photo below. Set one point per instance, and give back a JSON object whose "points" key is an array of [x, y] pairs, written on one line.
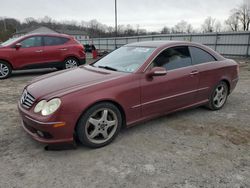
{"points": [[238, 20]]}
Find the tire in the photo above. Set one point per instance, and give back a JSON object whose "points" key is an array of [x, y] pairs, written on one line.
{"points": [[99, 125], [70, 63], [219, 96], [5, 70]]}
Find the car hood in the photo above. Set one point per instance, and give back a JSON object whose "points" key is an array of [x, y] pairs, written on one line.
{"points": [[63, 82]]}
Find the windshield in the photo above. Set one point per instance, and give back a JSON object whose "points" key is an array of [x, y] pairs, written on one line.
{"points": [[125, 59], [10, 41]]}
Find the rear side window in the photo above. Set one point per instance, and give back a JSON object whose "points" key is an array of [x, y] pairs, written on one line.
{"points": [[173, 58], [200, 56], [53, 41]]}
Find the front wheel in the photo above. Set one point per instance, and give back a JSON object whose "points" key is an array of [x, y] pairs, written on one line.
{"points": [[99, 125], [219, 96], [5, 70]]}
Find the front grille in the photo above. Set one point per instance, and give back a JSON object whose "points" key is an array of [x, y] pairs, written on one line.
{"points": [[27, 100]]}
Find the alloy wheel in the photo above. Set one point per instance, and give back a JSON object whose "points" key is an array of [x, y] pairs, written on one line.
{"points": [[71, 63], [101, 125], [220, 96], [4, 70]]}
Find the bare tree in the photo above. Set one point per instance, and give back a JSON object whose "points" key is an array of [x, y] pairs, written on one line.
{"points": [[208, 25], [240, 17], [129, 31], [244, 14], [29, 20], [165, 30], [217, 26], [4, 23], [110, 31], [182, 27], [46, 19], [190, 28], [233, 21], [137, 29]]}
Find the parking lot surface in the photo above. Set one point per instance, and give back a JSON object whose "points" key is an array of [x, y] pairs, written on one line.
{"points": [[192, 148]]}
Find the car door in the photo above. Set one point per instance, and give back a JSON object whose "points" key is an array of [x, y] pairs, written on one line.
{"points": [[174, 90], [30, 53], [54, 48], [205, 63]]}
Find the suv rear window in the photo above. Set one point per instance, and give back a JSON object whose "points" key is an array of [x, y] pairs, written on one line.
{"points": [[53, 41], [200, 56]]}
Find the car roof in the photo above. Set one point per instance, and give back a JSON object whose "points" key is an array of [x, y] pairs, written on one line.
{"points": [[49, 34], [164, 44], [158, 44]]}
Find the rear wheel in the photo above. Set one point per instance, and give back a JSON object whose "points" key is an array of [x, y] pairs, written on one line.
{"points": [[70, 63], [5, 70], [99, 125], [219, 96]]}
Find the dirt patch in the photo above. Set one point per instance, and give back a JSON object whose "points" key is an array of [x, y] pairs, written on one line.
{"points": [[235, 135]]}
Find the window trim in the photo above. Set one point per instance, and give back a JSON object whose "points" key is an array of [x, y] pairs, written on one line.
{"points": [[215, 59], [174, 46]]}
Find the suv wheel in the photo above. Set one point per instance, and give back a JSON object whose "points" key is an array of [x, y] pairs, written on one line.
{"points": [[5, 70], [70, 63]]}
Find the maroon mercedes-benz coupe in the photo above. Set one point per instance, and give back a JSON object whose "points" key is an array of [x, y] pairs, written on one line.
{"points": [[136, 82]]}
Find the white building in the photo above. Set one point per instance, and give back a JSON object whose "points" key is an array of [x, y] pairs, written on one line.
{"points": [[78, 35]]}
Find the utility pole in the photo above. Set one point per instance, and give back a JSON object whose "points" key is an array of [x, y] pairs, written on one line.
{"points": [[116, 32]]}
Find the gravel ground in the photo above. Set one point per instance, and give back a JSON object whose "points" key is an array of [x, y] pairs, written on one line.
{"points": [[193, 148]]}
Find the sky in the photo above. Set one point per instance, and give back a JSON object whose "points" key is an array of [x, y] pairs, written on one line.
{"points": [[152, 15]]}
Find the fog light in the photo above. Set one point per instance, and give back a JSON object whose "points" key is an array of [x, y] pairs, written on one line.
{"points": [[40, 133]]}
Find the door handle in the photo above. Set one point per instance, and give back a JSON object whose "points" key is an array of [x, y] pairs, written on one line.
{"points": [[194, 72], [39, 51], [63, 49]]}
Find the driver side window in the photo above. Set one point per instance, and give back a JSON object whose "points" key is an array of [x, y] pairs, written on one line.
{"points": [[173, 58], [32, 42]]}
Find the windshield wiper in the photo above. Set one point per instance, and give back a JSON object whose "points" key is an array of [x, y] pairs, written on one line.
{"points": [[108, 68]]}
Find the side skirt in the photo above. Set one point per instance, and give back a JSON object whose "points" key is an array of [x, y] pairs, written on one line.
{"points": [[133, 123]]}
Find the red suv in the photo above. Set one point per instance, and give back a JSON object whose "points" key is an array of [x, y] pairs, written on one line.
{"points": [[40, 51]]}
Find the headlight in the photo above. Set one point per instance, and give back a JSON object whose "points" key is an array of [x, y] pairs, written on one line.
{"points": [[51, 106], [47, 108], [39, 107]]}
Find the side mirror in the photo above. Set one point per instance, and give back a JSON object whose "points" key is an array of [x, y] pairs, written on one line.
{"points": [[157, 71], [18, 45]]}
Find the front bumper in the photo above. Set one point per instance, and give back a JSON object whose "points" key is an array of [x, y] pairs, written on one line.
{"points": [[46, 132]]}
